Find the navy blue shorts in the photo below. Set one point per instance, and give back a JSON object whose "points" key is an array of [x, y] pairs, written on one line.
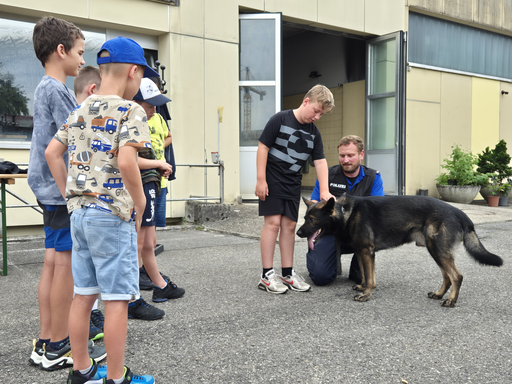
{"points": [[149, 217], [56, 227]]}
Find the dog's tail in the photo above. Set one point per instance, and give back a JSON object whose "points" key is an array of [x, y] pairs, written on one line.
{"points": [[477, 250]]}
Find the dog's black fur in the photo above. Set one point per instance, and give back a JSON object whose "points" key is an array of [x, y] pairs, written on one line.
{"points": [[370, 224]]}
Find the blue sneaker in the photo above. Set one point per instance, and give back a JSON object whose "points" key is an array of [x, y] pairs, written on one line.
{"points": [[130, 378], [97, 318], [95, 376], [95, 333]]}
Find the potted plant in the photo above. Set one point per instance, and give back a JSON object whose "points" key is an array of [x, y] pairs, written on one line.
{"points": [[496, 163], [494, 189], [461, 183]]}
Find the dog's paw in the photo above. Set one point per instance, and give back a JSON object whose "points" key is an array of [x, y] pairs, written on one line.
{"points": [[435, 295], [358, 287], [362, 298], [449, 303]]}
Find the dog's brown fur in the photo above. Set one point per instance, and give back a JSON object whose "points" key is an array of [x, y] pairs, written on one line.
{"points": [[370, 224]]}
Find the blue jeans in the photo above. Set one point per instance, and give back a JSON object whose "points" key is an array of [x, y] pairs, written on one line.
{"points": [[160, 205], [104, 256]]}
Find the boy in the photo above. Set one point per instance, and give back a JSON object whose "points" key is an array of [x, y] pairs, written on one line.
{"points": [[287, 141], [106, 201], [87, 83], [154, 177], [59, 45]]}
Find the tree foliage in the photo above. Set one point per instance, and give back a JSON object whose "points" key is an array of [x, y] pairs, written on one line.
{"points": [[495, 162], [13, 100]]}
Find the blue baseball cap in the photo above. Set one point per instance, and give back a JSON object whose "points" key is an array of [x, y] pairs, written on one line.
{"points": [[124, 50]]}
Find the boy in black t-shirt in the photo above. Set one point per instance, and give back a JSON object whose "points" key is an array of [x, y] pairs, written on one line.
{"points": [[287, 141]]}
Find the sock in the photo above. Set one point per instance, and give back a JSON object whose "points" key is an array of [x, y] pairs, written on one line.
{"points": [[287, 271], [44, 341], [86, 371], [58, 344], [265, 270], [95, 305], [119, 381]]}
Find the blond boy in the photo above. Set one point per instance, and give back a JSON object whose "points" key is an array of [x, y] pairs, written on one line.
{"points": [[287, 141]]}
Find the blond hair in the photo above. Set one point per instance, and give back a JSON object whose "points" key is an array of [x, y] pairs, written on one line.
{"points": [[356, 140], [321, 95]]}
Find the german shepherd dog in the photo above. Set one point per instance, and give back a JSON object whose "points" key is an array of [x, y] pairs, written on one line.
{"points": [[370, 224]]}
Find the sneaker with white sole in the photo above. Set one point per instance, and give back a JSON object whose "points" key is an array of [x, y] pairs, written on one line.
{"points": [[37, 353], [295, 282], [271, 283]]}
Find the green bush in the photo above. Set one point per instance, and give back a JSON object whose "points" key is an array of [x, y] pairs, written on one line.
{"points": [[495, 162], [460, 165]]}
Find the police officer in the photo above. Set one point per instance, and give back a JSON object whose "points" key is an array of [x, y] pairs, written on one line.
{"points": [[350, 177]]}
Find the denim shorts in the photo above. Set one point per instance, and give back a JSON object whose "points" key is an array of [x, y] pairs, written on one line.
{"points": [[104, 256], [160, 208]]}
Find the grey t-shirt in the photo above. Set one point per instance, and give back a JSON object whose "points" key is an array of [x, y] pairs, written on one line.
{"points": [[53, 102]]}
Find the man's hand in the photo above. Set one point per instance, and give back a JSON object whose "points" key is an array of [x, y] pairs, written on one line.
{"points": [[261, 190]]}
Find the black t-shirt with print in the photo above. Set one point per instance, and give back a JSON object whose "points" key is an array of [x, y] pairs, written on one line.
{"points": [[290, 143]]}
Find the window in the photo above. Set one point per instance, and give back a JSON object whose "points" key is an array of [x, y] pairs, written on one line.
{"points": [[20, 73], [438, 43]]}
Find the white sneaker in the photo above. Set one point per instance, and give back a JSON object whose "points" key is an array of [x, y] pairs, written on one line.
{"points": [[271, 283], [295, 282]]}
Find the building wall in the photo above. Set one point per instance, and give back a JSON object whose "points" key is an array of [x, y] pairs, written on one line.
{"points": [[445, 109], [492, 14]]}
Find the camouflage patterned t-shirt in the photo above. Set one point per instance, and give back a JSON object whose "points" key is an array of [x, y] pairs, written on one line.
{"points": [[93, 133]]}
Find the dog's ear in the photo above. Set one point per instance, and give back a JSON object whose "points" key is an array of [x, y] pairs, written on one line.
{"points": [[329, 205], [309, 203]]}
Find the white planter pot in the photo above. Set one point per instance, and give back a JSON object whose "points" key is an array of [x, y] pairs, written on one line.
{"points": [[463, 194]]}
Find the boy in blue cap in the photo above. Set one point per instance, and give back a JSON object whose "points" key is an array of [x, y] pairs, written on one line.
{"points": [[104, 194]]}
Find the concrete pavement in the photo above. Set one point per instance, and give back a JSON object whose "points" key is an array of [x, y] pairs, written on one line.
{"points": [[225, 330]]}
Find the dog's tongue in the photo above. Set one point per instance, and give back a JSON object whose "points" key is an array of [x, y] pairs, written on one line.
{"points": [[311, 239]]}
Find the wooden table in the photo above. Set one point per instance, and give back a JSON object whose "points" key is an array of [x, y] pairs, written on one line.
{"points": [[6, 179]]}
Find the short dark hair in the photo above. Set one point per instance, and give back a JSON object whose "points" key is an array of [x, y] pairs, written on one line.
{"points": [[87, 75], [49, 32]]}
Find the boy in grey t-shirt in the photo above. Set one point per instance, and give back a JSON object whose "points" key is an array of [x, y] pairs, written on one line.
{"points": [[59, 45]]}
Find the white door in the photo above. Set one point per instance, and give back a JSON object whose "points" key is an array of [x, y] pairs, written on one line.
{"points": [[385, 109], [260, 87]]}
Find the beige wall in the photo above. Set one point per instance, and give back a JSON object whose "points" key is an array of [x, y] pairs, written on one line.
{"points": [[445, 109]]}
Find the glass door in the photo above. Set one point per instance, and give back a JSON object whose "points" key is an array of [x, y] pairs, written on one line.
{"points": [[385, 109], [259, 87]]}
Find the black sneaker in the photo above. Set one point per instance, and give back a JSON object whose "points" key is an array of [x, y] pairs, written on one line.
{"points": [[140, 309], [37, 353], [355, 272], [145, 282], [97, 318], [170, 291]]}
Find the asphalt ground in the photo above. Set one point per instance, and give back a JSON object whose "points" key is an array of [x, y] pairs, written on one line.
{"points": [[225, 330]]}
